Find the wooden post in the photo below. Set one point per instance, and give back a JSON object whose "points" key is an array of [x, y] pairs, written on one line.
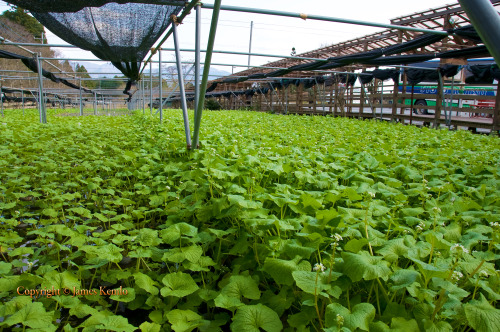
{"points": [[336, 96], [395, 100], [299, 97], [402, 109], [315, 94], [351, 100], [271, 94], [496, 112], [439, 102], [411, 103], [332, 90], [361, 101]]}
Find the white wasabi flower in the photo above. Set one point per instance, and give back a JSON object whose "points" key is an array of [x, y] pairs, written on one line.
{"points": [[458, 248], [340, 320], [456, 276], [483, 274], [337, 237], [494, 224], [371, 194], [436, 209], [420, 227], [319, 267]]}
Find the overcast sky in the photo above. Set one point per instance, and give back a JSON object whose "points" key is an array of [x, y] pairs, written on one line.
{"points": [[277, 35]]}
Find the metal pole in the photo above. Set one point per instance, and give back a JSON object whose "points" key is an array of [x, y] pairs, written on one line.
{"points": [[41, 101], [160, 87], [323, 18], [95, 103], [142, 95], [81, 101], [150, 88], [206, 70], [166, 49], [250, 44], [22, 100], [197, 56], [486, 20], [181, 86], [175, 88]]}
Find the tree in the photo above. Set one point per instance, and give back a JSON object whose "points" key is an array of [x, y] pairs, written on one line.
{"points": [[83, 73], [22, 17]]}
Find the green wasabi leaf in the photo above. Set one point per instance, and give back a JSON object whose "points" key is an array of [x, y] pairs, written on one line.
{"points": [[145, 282], [178, 284], [32, 315], [281, 270], [364, 266], [482, 316], [150, 327], [184, 320], [360, 317], [254, 318]]}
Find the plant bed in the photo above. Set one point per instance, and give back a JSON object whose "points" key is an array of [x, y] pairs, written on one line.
{"points": [[278, 223]]}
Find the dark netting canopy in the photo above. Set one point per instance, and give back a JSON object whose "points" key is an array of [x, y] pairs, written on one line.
{"points": [[118, 31], [65, 6]]}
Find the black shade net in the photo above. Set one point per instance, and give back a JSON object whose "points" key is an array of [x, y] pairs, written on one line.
{"points": [[32, 65], [384, 56], [482, 74], [68, 6], [478, 74], [120, 33], [416, 76]]}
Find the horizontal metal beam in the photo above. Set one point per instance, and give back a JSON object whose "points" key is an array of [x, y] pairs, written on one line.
{"points": [[323, 18], [249, 53], [172, 49]]}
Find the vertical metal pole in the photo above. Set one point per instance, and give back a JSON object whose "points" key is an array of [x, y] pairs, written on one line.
{"points": [[175, 88], [181, 85], [143, 95], [41, 101], [197, 56], [160, 86], [102, 97], [151, 87], [95, 103], [22, 100], [206, 70], [486, 21], [81, 101], [250, 43]]}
